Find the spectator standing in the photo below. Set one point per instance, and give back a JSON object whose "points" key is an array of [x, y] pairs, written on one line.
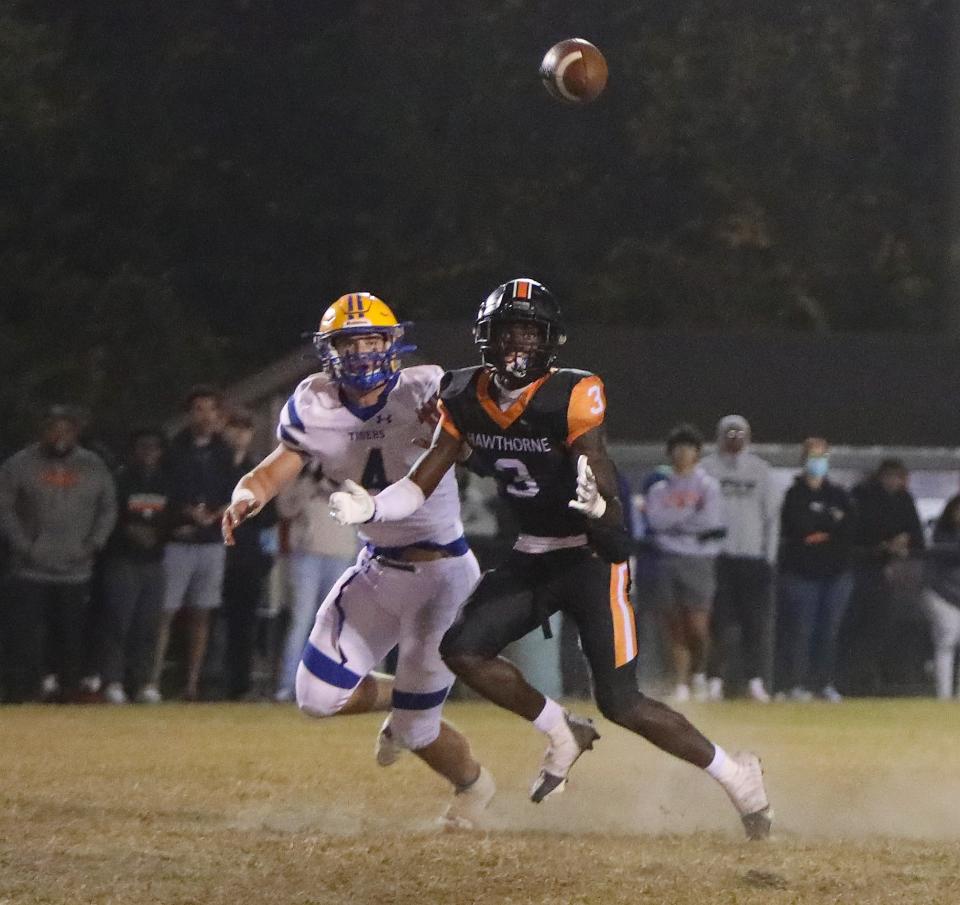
{"points": [[684, 511], [748, 553], [133, 571], [200, 469], [246, 567], [320, 551], [816, 529], [57, 508], [942, 598], [888, 544]]}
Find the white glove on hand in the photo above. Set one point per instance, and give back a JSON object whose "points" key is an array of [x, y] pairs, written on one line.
{"points": [[588, 501], [352, 505]]}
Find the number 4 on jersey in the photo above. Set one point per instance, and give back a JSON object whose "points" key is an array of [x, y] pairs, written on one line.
{"points": [[374, 473]]}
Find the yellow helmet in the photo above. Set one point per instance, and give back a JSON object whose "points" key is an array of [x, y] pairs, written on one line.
{"points": [[360, 313]]}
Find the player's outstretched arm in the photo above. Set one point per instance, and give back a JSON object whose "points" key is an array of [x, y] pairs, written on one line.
{"points": [[354, 506], [598, 495], [256, 488]]}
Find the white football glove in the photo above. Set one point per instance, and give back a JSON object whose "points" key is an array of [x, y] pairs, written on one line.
{"points": [[588, 501], [352, 505]]}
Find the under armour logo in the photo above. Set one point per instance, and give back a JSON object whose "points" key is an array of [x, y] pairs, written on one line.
{"points": [[384, 419]]}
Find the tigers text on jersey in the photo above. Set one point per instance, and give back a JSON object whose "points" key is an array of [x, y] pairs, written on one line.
{"points": [[374, 447], [527, 447]]}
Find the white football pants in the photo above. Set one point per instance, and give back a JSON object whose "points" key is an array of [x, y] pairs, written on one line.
{"points": [[372, 608]]}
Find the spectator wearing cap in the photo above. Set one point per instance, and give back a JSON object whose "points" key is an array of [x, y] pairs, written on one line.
{"points": [[816, 531], [133, 571], [888, 546], [744, 598], [201, 474], [684, 512], [57, 508]]}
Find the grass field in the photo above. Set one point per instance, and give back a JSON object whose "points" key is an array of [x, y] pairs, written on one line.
{"points": [[256, 803]]}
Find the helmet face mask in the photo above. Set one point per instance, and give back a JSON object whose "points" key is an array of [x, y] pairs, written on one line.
{"points": [[519, 331], [360, 342]]}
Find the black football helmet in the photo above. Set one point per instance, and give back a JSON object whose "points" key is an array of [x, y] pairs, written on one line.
{"points": [[519, 358]]}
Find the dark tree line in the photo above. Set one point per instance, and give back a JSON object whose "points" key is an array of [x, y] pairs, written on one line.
{"points": [[186, 185]]}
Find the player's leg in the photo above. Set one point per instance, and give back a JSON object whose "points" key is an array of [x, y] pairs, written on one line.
{"points": [[351, 634], [423, 681], [508, 603], [499, 611], [608, 637]]}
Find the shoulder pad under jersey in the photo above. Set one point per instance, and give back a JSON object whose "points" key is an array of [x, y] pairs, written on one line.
{"points": [[455, 382], [555, 392]]}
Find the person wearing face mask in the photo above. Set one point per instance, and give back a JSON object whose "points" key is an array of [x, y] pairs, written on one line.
{"points": [[57, 509], [816, 530]]}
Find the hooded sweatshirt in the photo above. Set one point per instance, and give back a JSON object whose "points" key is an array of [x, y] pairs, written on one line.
{"points": [[684, 513], [56, 512], [751, 503]]}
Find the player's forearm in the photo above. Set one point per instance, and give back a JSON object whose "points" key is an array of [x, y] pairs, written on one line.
{"points": [[268, 478]]}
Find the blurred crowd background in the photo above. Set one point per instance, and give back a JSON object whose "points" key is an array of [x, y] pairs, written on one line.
{"points": [[750, 580]]}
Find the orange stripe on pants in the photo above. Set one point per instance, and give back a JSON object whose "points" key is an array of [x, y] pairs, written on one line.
{"points": [[624, 627]]}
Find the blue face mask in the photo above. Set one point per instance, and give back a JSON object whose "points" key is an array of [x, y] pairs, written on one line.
{"points": [[817, 466]]}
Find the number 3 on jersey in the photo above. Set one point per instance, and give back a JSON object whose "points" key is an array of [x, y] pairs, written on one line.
{"points": [[517, 479], [374, 473]]}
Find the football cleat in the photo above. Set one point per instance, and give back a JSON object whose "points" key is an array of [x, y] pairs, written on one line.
{"points": [[387, 750], [469, 803], [561, 755], [749, 797]]}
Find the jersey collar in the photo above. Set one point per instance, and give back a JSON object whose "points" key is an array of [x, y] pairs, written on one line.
{"points": [[365, 413], [505, 418]]}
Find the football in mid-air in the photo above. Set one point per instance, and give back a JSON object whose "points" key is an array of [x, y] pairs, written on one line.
{"points": [[574, 71]]}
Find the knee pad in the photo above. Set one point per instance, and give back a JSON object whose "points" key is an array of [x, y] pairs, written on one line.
{"points": [[414, 729], [318, 698]]}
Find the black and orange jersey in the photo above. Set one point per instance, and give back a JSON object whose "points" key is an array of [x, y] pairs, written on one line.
{"points": [[527, 447]]}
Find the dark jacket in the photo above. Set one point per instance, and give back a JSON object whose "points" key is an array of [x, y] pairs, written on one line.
{"points": [[881, 516], [816, 530], [142, 516], [198, 475]]}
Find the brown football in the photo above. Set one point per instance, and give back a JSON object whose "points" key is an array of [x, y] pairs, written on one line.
{"points": [[574, 71]]}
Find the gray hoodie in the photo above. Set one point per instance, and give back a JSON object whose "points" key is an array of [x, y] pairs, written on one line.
{"points": [[55, 513], [750, 499], [683, 511]]}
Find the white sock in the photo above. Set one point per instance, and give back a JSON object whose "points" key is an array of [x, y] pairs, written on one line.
{"points": [[550, 717], [723, 767]]}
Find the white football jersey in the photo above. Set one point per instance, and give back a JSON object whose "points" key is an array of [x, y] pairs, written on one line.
{"points": [[374, 447]]}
